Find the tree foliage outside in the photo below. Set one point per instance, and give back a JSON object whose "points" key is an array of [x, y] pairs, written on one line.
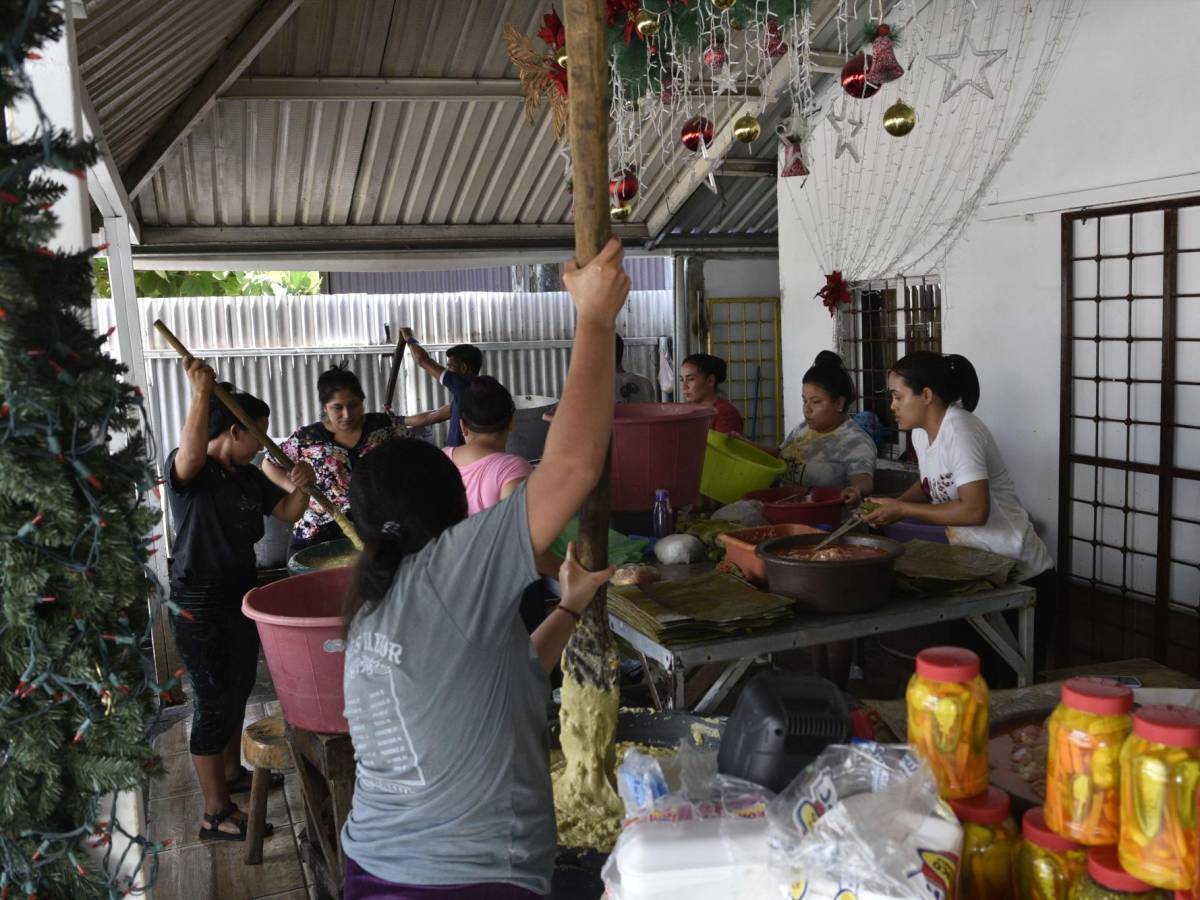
{"points": [[160, 283], [76, 687]]}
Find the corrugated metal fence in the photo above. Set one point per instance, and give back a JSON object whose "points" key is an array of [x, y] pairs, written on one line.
{"points": [[647, 273], [275, 347]]}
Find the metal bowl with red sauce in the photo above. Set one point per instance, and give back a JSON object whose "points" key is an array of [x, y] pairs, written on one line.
{"points": [[853, 575]]}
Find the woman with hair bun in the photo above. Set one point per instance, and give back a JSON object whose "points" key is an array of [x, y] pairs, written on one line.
{"points": [[829, 449], [701, 374], [964, 485], [333, 446]]}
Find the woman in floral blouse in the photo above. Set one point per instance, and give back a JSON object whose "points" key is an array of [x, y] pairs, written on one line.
{"points": [[333, 447]]}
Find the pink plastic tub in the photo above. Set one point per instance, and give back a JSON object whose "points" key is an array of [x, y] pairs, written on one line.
{"points": [[300, 625], [656, 445], [783, 506]]}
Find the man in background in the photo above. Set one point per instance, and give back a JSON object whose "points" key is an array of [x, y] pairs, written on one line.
{"points": [[463, 362], [630, 386]]}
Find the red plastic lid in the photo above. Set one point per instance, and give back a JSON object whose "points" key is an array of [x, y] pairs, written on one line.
{"points": [[989, 808], [1099, 696], [1035, 830], [1105, 868], [953, 664], [1175, 726]]}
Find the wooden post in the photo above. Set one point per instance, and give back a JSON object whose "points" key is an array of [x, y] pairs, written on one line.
{"points": [[587, 77]]}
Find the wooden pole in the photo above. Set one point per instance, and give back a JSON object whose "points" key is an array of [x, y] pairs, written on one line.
{"points": [[587, 76], [397, 359], [277, 455]]}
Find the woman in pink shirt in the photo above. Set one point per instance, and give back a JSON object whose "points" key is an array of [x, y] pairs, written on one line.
{"points": [[488, 473]]}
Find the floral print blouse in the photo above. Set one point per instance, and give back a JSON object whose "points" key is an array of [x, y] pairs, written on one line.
{"points": [[333, 463]]}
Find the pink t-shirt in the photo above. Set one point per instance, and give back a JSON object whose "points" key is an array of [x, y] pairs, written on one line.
{"points": [[485, 478]]}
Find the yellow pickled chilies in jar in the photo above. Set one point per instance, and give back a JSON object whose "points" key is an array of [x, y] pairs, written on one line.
{"points": [[989, 845], [1083, 776], [1160, 768], [947, 704], [1046, 863], [1107, 880]]}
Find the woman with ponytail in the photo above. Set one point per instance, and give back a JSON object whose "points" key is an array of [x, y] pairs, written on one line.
{"points": [[964, 485], [445, 694]]}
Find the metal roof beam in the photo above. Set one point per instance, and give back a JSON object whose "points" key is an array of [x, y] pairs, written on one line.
{"points": [[233, 60], [104, 178], [691, 177]]}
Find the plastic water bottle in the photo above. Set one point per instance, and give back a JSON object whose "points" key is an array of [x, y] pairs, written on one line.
{"points": [[664, 518]]}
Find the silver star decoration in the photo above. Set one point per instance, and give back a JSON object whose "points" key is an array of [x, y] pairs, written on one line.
{"points": [[725, 80], [956, 82], [847, 126]]}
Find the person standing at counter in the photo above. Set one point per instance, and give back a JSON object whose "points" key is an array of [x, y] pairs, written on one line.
{"points": [[701, 375], [965, 484], [218, 500], [333, 447]]}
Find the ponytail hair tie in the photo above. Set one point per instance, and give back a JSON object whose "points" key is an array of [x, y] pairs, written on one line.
{"points": [[393, 529]]}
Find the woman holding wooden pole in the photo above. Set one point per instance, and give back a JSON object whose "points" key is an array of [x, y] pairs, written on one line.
{"points": [[218, 500]]}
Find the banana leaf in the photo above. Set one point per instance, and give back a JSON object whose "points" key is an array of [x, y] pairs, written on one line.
{"points": [[621, 549], [933, 568]]}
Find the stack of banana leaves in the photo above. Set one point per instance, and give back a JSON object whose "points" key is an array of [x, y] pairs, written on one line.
{"points": [[931, 568], [697, 609]]}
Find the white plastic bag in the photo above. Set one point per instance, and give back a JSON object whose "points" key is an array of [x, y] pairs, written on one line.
{"points": [[747, 512], [865, 819]]}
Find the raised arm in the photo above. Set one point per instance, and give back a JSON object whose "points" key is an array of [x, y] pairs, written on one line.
{"points": [[582, 426], [420, 356], [425, 419], [193, 440]]}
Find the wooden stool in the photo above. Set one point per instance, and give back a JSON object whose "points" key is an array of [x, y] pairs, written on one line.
{"points": [[325, 764], [265, 747]]}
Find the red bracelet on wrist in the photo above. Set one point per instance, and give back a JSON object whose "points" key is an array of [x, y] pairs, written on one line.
{"points": [[570, 612]]}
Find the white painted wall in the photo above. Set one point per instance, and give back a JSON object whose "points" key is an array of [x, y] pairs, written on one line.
{"points": [[1114, 128], [742, 276]]}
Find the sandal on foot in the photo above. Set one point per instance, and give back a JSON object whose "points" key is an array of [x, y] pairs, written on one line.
{"points": [[211, 830], [240, 783]]}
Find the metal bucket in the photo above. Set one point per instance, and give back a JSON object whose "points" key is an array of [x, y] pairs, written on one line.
{"points": [[834, 587], [528, 438]]}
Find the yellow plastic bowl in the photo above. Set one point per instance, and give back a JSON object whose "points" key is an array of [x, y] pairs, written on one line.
{"points": [[734, 468]]}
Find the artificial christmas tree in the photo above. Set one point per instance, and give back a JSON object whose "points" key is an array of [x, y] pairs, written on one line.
{"points": [[76, 689]]}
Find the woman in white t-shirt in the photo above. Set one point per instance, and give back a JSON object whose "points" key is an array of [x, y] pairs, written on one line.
{"points": [[964, 485]]}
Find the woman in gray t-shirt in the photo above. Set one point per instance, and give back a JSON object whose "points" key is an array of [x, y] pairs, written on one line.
{"points": [[445, 696]]}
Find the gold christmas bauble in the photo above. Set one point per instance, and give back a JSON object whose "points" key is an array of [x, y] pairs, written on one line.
{"points": [[646, 23], [723, 4], [620, 211], [737, 24], [746, 129], [561, 58], [899, 119]]}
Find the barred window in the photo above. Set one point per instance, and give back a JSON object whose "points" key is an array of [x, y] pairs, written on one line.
{"points": [[886, 320]]}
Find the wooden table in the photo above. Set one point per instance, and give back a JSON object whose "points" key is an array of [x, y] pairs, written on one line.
{"points": [[983, 611], [325, 766]]}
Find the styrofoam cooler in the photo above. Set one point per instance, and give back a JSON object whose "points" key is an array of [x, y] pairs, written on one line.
{"points": [[300, 624]]}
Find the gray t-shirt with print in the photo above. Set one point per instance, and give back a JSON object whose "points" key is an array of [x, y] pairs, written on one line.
{"points": [[446, 702]]}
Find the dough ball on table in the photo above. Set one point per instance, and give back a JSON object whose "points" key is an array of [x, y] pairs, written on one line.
{"points": [[638, 573]]}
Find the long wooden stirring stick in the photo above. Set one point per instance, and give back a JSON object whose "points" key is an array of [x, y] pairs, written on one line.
{"points": [[277, 455]]}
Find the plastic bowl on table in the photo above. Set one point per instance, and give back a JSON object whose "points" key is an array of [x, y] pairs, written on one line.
{"points": [[656, 445], [300, 624], [831, 587], [740, 546], [733, 468], [787, 506]]}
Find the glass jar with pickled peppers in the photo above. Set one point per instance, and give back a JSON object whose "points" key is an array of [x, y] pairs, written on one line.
{"points": [[1047, 863], [1160, 768], [1084, 735], [989, 845], [1107, 880], [947, 704]]}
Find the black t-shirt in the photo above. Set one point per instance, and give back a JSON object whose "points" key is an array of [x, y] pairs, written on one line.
{"points": [[218, 518]]}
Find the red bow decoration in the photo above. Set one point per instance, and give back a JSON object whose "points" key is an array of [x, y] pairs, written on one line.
{"points": [[552, 31], [624, 9], [836, 291]]}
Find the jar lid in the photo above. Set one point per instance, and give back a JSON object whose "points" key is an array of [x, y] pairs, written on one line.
{"points": [[1175, 726], [953, 664], [989, 808], [1104, 865], [1035, 830], [1100, 696]]}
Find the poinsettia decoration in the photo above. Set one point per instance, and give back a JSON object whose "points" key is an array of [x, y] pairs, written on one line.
{"points": [[624, 12], [552, 32], [542, 78], [835, 292]]}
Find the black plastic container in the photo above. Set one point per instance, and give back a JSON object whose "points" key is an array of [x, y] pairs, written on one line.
{"points": [[780, 724]]}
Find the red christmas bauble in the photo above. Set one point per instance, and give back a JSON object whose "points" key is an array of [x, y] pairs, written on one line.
{"points": [[696, 130], [773, 44], [624, 187], [716, 56], [854, 77]]}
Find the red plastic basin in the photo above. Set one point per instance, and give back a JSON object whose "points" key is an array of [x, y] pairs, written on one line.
{"points": [[782, 506], [300, 624]]}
